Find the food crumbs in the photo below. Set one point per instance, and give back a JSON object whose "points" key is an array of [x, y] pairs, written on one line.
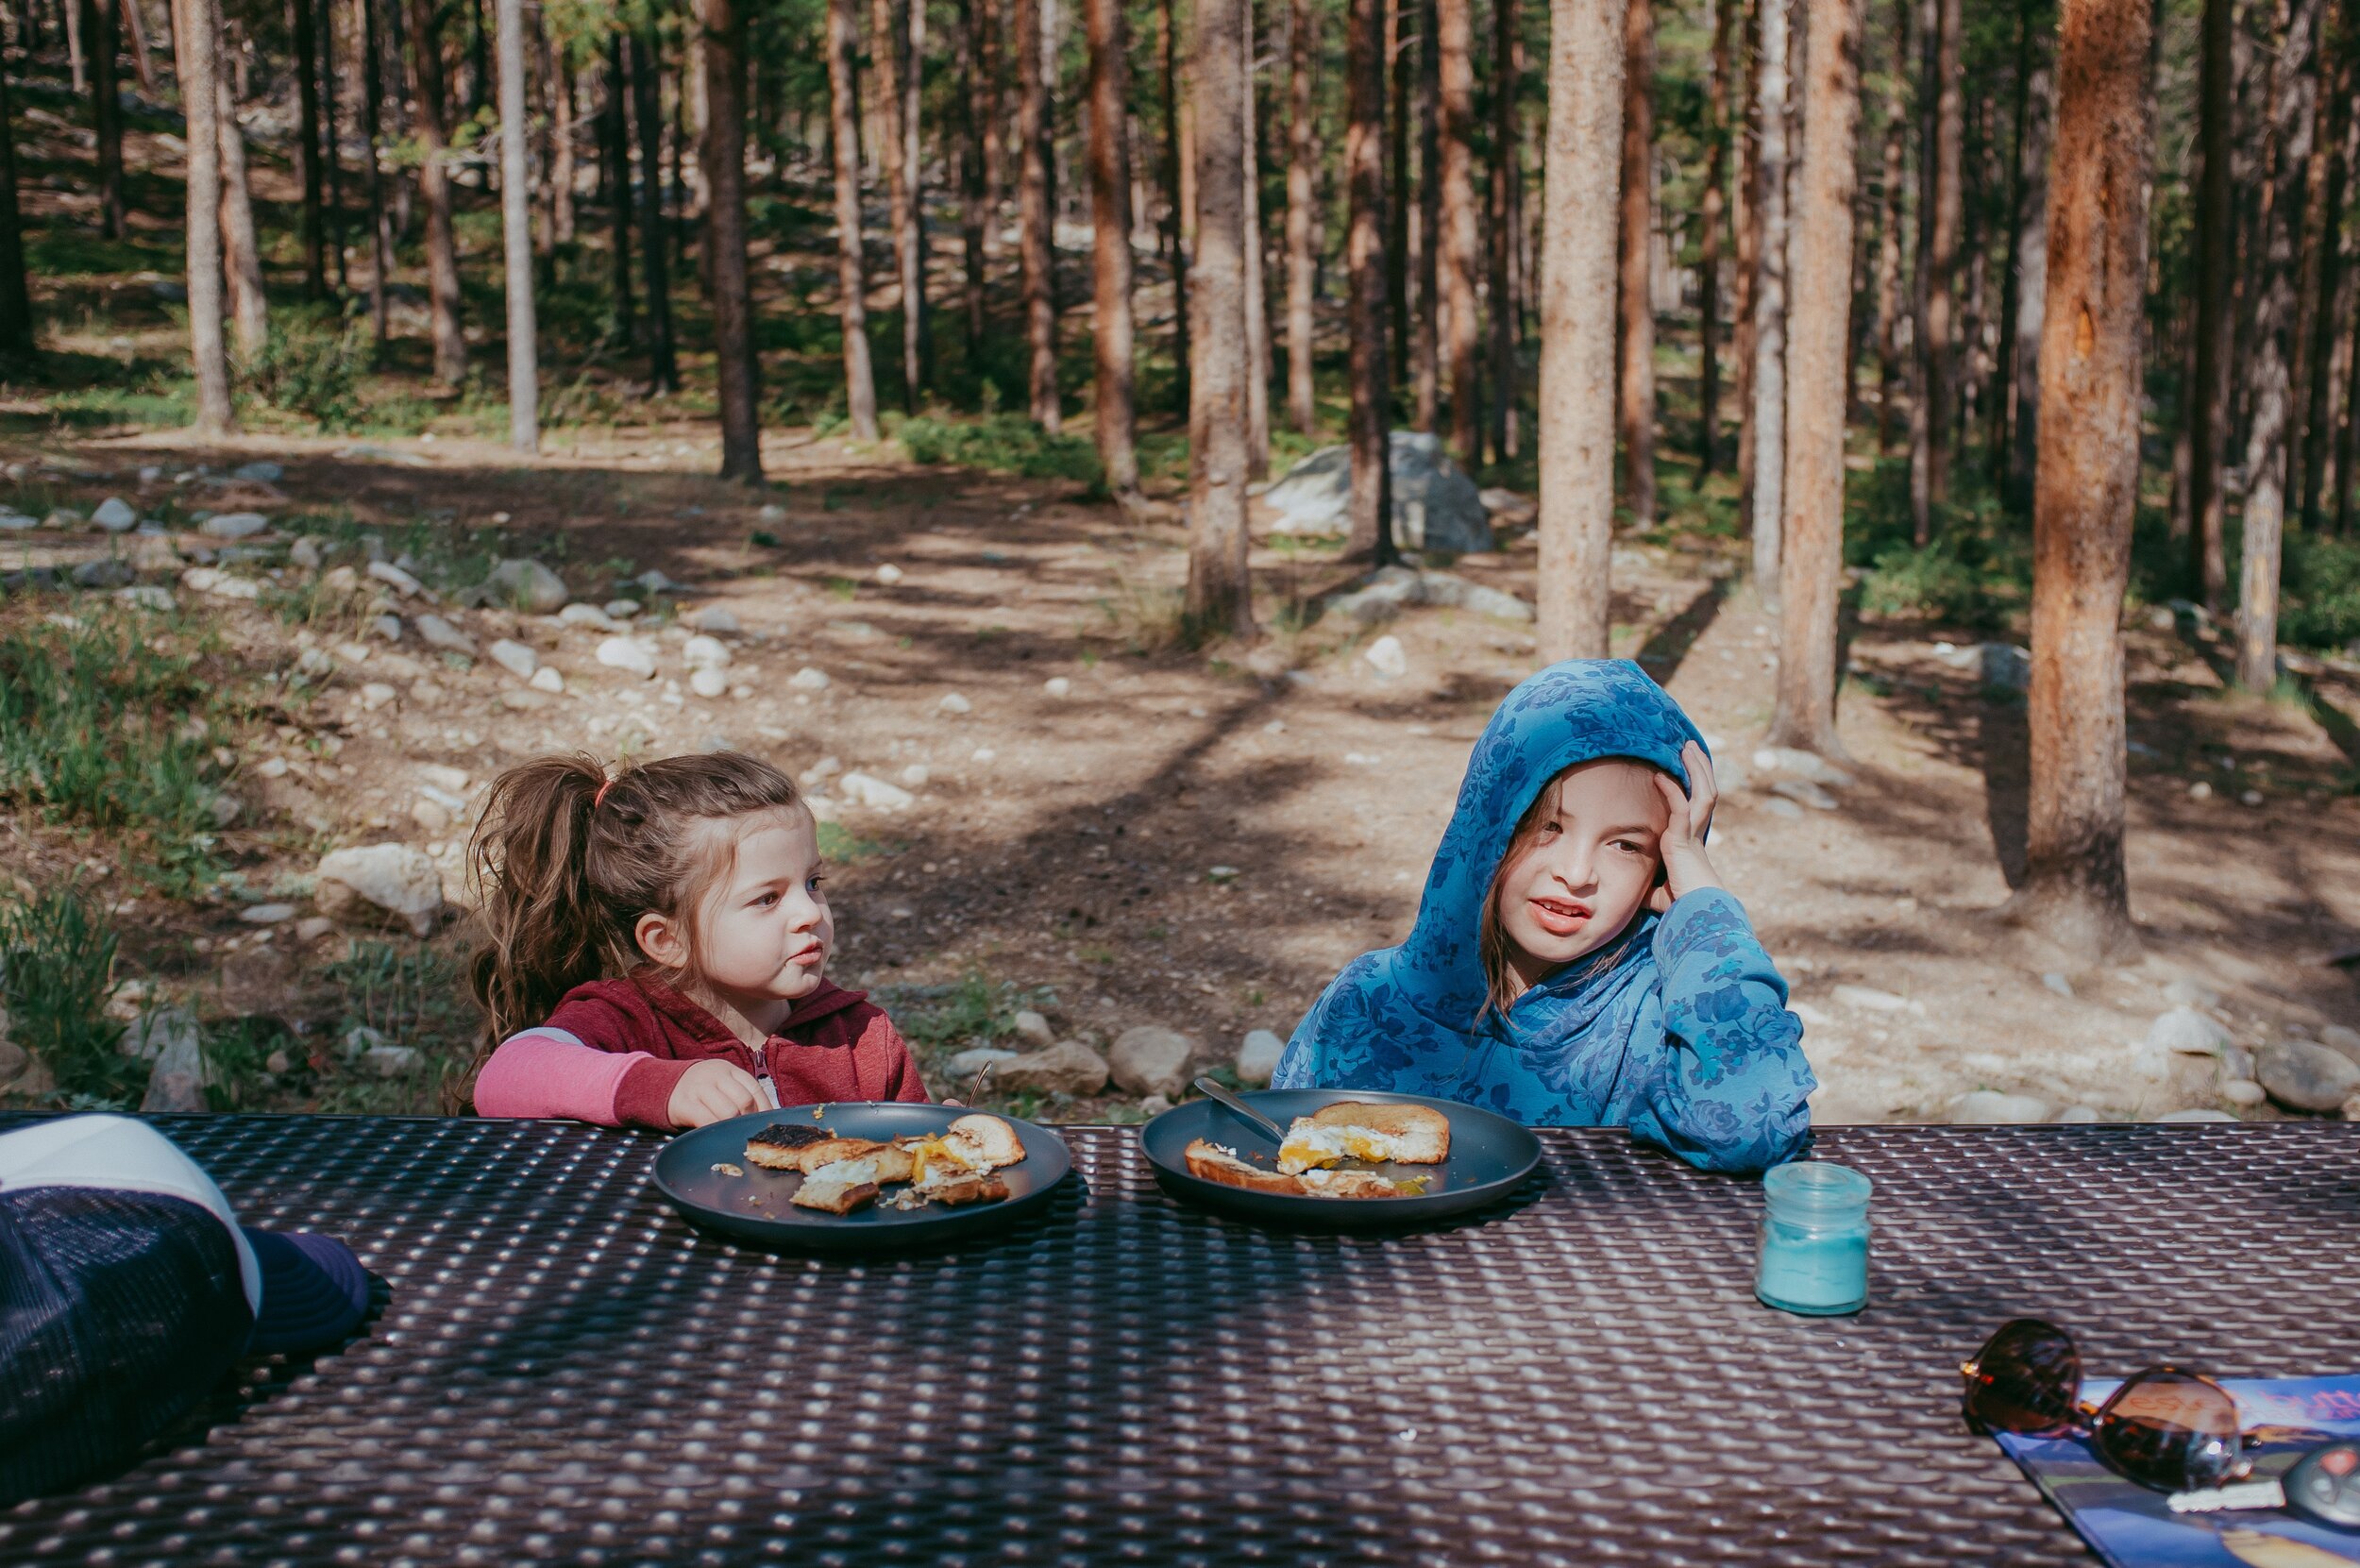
{"points": [[728, 1169]]}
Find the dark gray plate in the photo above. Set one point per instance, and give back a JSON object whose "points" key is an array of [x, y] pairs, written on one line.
{"points": [[754, 1206], [1489, 1157]]}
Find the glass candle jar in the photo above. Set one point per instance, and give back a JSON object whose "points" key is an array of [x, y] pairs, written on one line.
{"points": [[1814, 1240]]}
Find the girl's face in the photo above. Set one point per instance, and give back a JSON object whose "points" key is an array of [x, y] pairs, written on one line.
{"points": [[1574, 884], [764, 931]]}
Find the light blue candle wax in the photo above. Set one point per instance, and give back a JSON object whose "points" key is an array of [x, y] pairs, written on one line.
{"points": [[1814, 1240]]}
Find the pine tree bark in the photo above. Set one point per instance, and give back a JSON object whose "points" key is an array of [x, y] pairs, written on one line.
{"points": [[975, 132], [1581, 171], [1458, 239], [2294, 83], [331, 141], [2215, 226], [1770, 304], [381, 229], [2325, 256], [565, 84], [1219, 598], [1745, 228], [860, 386], [2074, 892], [1035, 219], [16, 302], [1889, 220], [138, 30], [1302, 176], [441, 244], [307, 149], [100, 27], [2030, 280], [241, 250], [1177, 188], [1711, 209], [614, 150], [1818, 367], [1426, 354], [199, 44], [722, 158], [1368, 515], [524, 364], [1399, 59], [1635, 336], [655, 265], [1258, 344], [1111, 245], [1945, 206], [76, 73], [893, 63], [1500, 406]]}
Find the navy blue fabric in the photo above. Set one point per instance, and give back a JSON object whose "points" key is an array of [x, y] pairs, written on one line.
{"points": [[1678, 1029], [314, 1292], [119, 1313]]}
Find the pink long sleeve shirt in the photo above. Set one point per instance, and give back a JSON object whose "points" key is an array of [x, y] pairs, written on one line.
{"points": [[614, 1050]]}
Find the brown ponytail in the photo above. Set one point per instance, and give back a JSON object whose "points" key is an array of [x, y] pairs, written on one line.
{"points": [[565, 862]]}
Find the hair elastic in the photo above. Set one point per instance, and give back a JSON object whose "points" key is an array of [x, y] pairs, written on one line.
{"points": [[600, 799]]}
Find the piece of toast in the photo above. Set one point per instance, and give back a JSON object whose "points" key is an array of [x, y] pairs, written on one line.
{"points": [[779, 1146], [811, 1156], [1405, 1134], [984, 1142], [1350, 1184], [882, 1162], [974, 1189], [1216, 1163], [833, 1197]]}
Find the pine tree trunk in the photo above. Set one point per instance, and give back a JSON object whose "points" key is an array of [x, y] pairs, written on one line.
{"points": [[2293, 82], [860, 387], [2324, 259], [975, 193], [1945, 206], [1889, 218], [1426, 355], [1302, 174], [615, 153], [242, 249], [565, 84], [1369, 519], [2030, 273], [1635, 336], [655, 267], [1818, 364], [307, 150], [380, 231], [1710, 206], [16, 302], [1035, 220], [198, 38], [524, 366], [2087, 493], [99, 28], [894, 64], [722, 158], [992, 85], [1258, 341], [1745, 227], [442, 246], [1398, 53], [140, 60], [1458, 239], [2215, 226], [1580, 174], [1500, 408], [1770, 304], [1177, 190], [332, 143], [76, 75], [2348, 454], [1220, 596], [1111, 245]]}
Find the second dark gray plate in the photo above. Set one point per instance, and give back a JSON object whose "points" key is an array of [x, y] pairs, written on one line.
{"points": [[1489, 1157]]}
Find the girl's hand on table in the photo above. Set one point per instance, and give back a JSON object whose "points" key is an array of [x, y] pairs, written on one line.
{"points": [[1682, 846], [713, 1091]]}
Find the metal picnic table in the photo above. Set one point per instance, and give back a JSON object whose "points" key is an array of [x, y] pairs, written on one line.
{"points": [[568, 1372]]}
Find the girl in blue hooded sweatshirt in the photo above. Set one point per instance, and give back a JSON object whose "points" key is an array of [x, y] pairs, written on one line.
{"points": [[1576, 962]]}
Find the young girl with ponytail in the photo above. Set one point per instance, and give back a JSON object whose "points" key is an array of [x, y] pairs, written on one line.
{"points": [[655, 948]]}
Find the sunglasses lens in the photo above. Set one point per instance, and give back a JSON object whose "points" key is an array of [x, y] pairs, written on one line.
{"points": [[2170, 1430], [2025, 1379]]}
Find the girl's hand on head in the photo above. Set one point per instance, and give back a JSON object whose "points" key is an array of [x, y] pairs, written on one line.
{"points": [[713, 1091], [1685, 868]]}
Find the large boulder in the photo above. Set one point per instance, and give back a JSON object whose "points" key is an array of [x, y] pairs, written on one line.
{"points": [[381, 882], [1436, 506], [1151, 1060], [2306, 1077], [525, 583], [1066, 1068]]}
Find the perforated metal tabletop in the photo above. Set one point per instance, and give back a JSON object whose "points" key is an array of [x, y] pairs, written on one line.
{"points": [[569, 1372]]}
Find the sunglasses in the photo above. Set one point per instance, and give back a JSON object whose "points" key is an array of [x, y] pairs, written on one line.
{"points": [[2164, 1427]]}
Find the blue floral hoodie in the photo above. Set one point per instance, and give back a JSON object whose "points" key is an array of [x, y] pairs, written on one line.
{"points": [[1678, 1029]]}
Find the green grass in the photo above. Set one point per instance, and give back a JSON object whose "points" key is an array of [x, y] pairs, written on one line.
{"points": [[1003, 443], [109, 724], [57, 971], [413, 995], [840, 846]]}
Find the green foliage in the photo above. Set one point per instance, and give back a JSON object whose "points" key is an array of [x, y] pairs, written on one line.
{"points": [[56, 970], [312, 365], [2321, 590], [109, 723], [412, 995], [1935, 583], [1004, 442], [840, 846]]}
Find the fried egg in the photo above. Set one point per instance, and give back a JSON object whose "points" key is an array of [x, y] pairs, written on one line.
{"points": [[1312, 1148]]}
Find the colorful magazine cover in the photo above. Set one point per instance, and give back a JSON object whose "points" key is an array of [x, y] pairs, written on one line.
{"points": [[2131, 1527]]}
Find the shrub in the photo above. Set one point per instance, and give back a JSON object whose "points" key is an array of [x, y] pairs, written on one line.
{"points": [[1938, 582], [1004, 443], [56, 970], [312, 365], [2322, 587]]}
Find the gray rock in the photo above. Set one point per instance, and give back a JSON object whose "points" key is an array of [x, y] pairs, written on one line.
{"points": [[516, 658], [863, 789], [1435, 505], [1987, 1108], [267, 914], [1257, 1057], [2078, 1115], [716, 620], [358, 1040], [394, 578], [266, 472], [1380, 596], [2243, 1092], [115, 516], [1066, 1068], [1033, 1029], [1457, 593], [149, 1037], [590, 616], [2059, 984], [708, 680], [2183, 992], [622, 609], [2196, 1113], [809, 678], [1151, 1060], [2189, 1032], [13, 1061], [963, 1067], [526, 584], [2336, 1038], [2306, 1077], [389, 1061], [176, 1082], [394, 881], [2004, 665], [951, 702], [105, 572], [16, 522], [627, 656], [654, 582], [701, 652], [1803, 764], [305, 552], [233, 525], [441, 633], [1386, 657], [1778, 805], [1804, 792]]}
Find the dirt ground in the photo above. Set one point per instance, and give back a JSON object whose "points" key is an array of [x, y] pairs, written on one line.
{"points": [[1129, 833]]}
